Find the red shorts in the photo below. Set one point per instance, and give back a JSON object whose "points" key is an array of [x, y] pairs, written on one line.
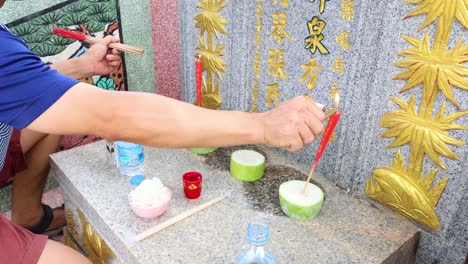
{"points": [[15, 160], [19, 245]]}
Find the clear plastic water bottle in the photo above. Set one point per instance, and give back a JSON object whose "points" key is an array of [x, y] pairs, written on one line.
{"points": [[131, 158], [258, 234], [112, 157]]}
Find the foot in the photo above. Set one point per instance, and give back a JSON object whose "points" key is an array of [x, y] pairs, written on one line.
{"points": [[30, 221]]}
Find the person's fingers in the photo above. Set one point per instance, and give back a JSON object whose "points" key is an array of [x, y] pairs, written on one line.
{"points": [[317, 111], [112, 57], [314, 125], [106, 41], [115, 64], [295, 144], [307, 134], [115, 52]]}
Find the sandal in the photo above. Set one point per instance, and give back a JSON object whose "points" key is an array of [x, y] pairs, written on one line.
{"points": [[46, 221]]}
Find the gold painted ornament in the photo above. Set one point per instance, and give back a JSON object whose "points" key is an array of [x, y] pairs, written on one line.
{"points": [[409, 196], [209, 21], [95, 248], [438, 69], [446, 11]]}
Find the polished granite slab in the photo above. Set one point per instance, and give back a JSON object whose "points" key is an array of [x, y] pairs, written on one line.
{"points": [[348, 230]]}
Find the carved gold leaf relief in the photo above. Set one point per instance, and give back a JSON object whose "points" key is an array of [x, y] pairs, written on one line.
{"points": [[445, 10], [211, 23], [95, 248], [428, 135], [437, 69], [412, 198]]}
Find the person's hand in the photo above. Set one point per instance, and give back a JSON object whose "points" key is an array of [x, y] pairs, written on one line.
{"points": [[293, 125], [101, 59]]}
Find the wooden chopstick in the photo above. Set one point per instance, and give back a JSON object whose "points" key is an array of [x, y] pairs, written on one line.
{"points": [[118, 46]]}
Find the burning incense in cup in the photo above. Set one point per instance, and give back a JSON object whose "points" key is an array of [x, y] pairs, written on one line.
{"points": [[334, 118]]}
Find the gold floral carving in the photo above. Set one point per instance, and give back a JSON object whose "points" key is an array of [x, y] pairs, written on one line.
{"points": [[438, 69], [212, 23], [95, 248]]}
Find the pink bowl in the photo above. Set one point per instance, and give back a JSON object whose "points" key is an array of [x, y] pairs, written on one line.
{"points": [[151, 212]]}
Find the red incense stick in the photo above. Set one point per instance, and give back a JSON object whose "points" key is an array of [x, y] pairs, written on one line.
{"points": [[198, 75], [325, 139], [85, 38]]}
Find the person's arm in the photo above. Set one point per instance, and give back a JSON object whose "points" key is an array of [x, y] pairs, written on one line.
{"points": [[99, 60], [159, 121]]}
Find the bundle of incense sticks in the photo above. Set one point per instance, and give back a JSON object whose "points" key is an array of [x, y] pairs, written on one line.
{"points": [[85, 38]]}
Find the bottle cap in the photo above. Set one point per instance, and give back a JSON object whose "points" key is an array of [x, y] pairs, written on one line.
{"points": [[137, 179]]}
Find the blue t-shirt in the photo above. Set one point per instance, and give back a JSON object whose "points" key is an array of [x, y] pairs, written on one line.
{"points": [[28, 87]]}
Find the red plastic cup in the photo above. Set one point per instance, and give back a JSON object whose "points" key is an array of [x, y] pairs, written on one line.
{"points": [[192, 184]]}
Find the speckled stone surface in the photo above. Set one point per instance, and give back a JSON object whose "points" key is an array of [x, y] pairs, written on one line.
{"points": [[347, 230], [366, 86], [165, 32]]}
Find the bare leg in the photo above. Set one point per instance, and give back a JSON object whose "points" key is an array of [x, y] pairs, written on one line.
{"points": [[56, 253], [28, 185]]}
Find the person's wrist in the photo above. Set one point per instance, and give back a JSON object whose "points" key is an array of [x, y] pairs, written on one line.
{"points": [[86, 66], [258, 128]]}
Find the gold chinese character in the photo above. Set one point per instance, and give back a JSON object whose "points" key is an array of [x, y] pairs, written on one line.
{"points": [[314, 41], [279, 23], [334, 90], [339, 65], [272, 94], [254, 107], [310, 73], [258, 39], [347, 10], [259, 12], [322, 5], [259, 25], [284, 3], [342, 40], [255, 90], [332, 138], [276, 63], [257, 64]]}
